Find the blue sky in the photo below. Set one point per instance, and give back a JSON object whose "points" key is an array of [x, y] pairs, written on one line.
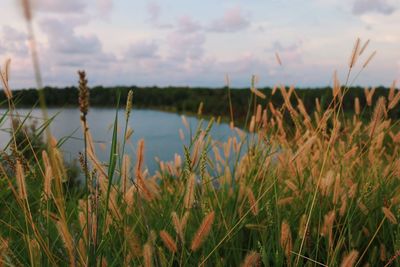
{"points": [[195, 43]]}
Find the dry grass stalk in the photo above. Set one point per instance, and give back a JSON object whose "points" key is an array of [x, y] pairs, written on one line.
{"points": [[286, 240], [369, 59], [181, 135], [146, 193], [252, 124], [4, 74], [369, 94], [355, 54], [48, 175], [67, 239], [185, 122], [200, 109], [389, 215], [363, 47], [318, 105], [327, 227], [21, 183], [148, 255], [302, 225], [180, 224], [326, 183], [252, 201], [169, 242], [285, 201], [252, 259], [382, 252], [350, 259], [190, 191], [135, 248], [395, 100], [129, 104], [203, 231], [343, 206], [26, 8], [253, 88], [125, 173], [357, 106], [392, 91], [336, 85], [278, 58], [258, 93], [83, 95], [258, 113]]}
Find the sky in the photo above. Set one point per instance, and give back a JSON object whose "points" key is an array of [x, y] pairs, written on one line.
{"points": [[196, 43]]}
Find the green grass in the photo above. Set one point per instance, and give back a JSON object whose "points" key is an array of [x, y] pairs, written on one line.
{"points": [[303, 191]]}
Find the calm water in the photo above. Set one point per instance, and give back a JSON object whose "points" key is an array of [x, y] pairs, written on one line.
{"points": [[159, 130]]}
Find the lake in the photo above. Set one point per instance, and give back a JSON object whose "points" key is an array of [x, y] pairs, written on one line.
{"points": [[160, 130]]}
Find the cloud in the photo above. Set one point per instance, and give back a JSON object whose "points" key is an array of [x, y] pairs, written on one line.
{"points": [[105, 7], [143, 50], [13, 41], [289, 54], [361, 7], [63, 39], [186, 46], [154, 11], [70, 6], [187, 25], [67, 51], [233, 20]]}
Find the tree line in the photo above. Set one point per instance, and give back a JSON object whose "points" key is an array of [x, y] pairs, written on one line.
{"points": [[187, 100]]}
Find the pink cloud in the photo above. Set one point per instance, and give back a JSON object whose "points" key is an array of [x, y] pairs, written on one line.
{"points": [[154, 11]]}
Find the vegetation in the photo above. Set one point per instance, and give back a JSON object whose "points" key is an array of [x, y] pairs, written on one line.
{"points": [[314, 189], [300, 187]]}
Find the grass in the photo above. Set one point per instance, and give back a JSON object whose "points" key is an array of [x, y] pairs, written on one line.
{"points": [[323, 192], [293, 189]]}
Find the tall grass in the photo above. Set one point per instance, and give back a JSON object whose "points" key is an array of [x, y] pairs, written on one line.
{"points": [[293, 189], [290, 189]]}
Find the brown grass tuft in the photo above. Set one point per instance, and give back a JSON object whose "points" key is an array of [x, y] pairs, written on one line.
{"points": [[253, 259], [252, 201], [83, 94], [169, 242], [350, 259], [4, 74], [286, 240], [190, 191], [389, 215], [21, 181], [355, 54], [148, 255], [203, 231]]}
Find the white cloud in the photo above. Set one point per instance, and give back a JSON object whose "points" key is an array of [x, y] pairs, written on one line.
{"points": [[63, 39], [233, 20], [13, 41], [142, 50], [69, 6]]}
